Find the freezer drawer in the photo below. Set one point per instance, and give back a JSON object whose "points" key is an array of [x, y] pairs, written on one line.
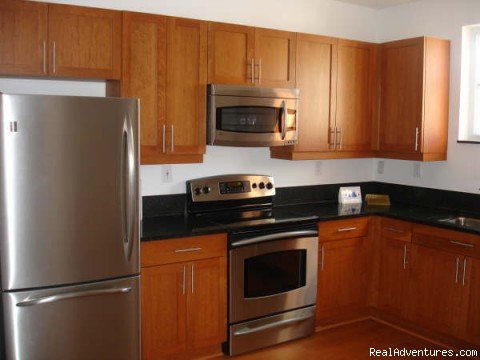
{"points": [[68, 190], [93, 321]]}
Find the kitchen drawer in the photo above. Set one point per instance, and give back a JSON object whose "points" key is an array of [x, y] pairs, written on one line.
{"points": [[448, 240], [183, 249], [396, 229], [343, 229]]}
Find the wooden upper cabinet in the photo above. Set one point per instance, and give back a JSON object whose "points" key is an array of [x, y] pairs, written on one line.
{"points": [[84, 42], [144, 76], [354, 120], [275, 57], [186, 87], [231, 54], [315, 74], [414, 99], [23, 37]]}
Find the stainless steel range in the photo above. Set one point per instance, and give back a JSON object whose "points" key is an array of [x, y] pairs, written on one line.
{"points": [[272, 260]]}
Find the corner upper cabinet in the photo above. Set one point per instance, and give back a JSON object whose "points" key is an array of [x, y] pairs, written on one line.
{"points": [[161, 53], [84, 42], [415, 99], [23, 38], [242, 55], [231, 54]]}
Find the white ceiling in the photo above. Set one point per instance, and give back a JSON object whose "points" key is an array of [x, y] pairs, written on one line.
{"points": [[377, 4]]}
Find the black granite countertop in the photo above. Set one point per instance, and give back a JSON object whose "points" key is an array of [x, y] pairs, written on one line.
{"points": [[174, 226]]}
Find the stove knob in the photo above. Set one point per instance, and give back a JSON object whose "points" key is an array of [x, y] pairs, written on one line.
{"points": [[206, 189], [198, 191], [261, 185], [269, 186], [254, 185]]}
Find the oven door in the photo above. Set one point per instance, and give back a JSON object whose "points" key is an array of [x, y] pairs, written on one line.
{"points": [[252, 121], [272, 277]]}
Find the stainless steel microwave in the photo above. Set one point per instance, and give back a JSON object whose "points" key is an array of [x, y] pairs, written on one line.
{"points": [[252, 116]]}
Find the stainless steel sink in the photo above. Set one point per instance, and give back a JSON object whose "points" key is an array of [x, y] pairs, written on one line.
{"points": [[462, 221]]}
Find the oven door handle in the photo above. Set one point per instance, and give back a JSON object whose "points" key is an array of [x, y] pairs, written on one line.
{"points": [[278, 236], [248, 330]]}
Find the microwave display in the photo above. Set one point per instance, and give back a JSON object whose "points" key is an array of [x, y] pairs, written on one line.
{"points": [[249, 119]]}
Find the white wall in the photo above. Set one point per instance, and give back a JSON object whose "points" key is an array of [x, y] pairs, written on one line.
{"points": [[444, 19], [324, 17]]}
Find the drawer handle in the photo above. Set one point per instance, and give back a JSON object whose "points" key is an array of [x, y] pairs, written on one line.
{"points": [[461, 244], [347, 229], [188, 250], [398, 231]]}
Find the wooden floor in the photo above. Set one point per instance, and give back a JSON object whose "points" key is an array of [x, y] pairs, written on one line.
{"points": [[350, 341]]}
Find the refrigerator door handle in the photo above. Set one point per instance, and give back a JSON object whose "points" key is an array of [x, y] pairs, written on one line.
{"points": [[72, 295], [128, 189]]}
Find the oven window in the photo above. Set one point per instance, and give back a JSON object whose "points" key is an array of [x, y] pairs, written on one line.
{"points": [[248, 119], [275, 273]]}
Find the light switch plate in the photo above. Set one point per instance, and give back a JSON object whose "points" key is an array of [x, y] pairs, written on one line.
{"points": [[167, 176], [380, 167], [417, 170]]}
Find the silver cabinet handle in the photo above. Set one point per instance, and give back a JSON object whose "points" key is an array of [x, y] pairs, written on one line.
{"points": [[340, 143], [248, 330], [259, 71], [44, 57], [405, 257], [54, 57], [278, 236], [464, 279], [456, 270], [163, 137], [184, 276], [462, 244], [193, 278], [322, 257], [72, 295], [334, 138], [346, 229], [252, 70], [172, 138], [417, 132], [395, 230], [188, 250]]}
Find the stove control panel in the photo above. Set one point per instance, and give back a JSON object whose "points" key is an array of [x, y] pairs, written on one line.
{"points": [[230, 187]]}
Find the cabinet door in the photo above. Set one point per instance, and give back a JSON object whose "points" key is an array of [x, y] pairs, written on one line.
{"points": [[402, 96], [438, 297], [84, 42], [472, 282], [186, 86], [23, 38], [315, 74], [230, 54], [163, 299], [394, 289], [275, 57], [207, 303], [342, 277], [355, 95], [144, 77]]}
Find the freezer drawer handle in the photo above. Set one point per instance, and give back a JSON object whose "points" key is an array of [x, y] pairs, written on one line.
{"points": [[248, 330], [72, 295], [284, 235]]}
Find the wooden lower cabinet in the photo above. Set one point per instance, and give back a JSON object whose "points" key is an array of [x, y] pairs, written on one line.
{"points": [[394, 288], [342, 279], [184, 304], [472, 274]]}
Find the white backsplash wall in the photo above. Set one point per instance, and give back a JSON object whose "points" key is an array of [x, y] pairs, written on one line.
{"points": [[444, 19], [325, 17]]}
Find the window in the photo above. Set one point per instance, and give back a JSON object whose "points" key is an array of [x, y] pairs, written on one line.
{"points": [[469, 129]]}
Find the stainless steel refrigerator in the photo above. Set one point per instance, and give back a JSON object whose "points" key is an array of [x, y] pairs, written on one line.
{"points": [[69, 228]]}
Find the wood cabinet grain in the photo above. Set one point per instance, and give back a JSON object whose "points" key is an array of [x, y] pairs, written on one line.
{"points": [[23, 38]]}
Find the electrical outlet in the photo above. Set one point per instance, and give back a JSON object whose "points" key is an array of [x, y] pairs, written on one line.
{"points": [[318, 168], [417, 170], [380, 167], [167, 175]]}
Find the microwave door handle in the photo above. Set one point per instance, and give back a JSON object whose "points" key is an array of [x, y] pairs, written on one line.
{"points": [[284, 119]]}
